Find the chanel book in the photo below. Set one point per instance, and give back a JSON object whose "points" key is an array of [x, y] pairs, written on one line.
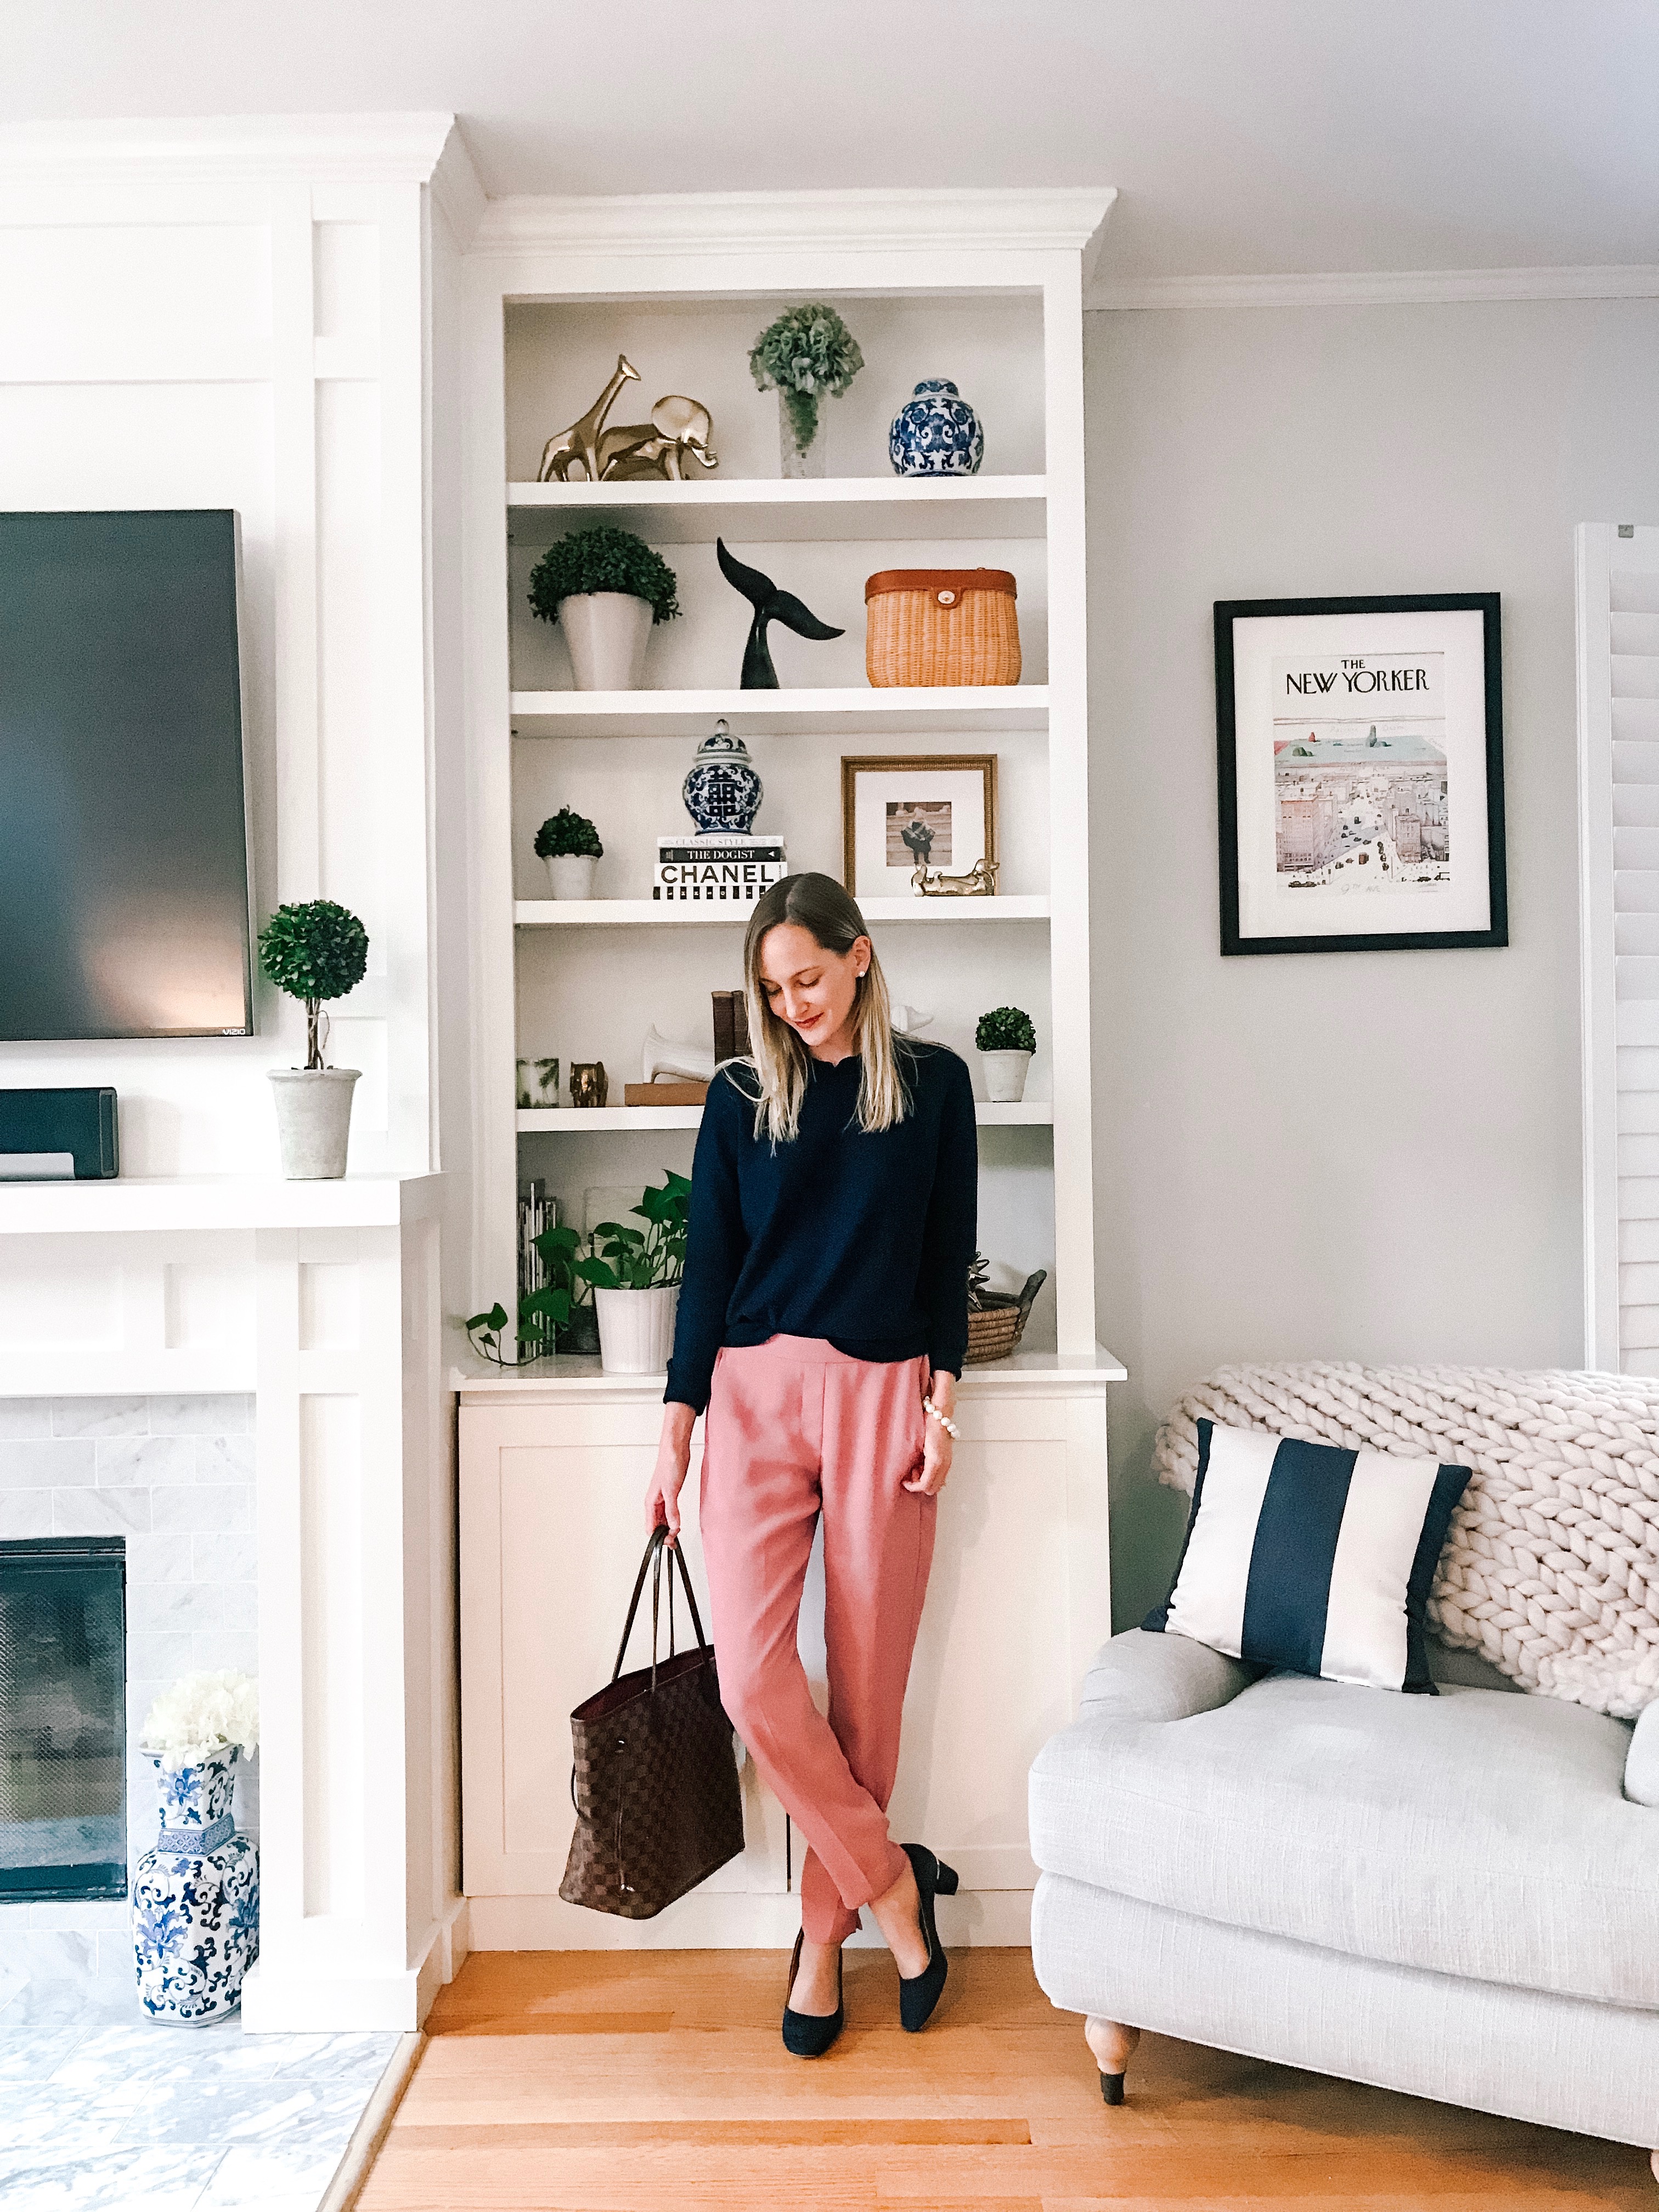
{"points": [[724, 869]]}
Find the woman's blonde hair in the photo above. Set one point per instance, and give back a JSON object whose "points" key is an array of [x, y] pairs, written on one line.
{"points": [[818, 905]]}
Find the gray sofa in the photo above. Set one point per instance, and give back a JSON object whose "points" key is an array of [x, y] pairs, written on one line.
{"points": [[1453, 1896]]}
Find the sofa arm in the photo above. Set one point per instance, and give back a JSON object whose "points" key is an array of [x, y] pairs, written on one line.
{"points": [[1143, 1676], [1642, 1760]]}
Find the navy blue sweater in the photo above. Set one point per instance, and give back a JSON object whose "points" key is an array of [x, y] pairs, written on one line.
{"points": [[863, 1240]]}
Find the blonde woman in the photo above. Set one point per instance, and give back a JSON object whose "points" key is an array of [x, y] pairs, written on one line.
{"points": [[823, 1322]]}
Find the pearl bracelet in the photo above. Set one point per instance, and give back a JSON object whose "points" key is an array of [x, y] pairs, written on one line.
{"points": [[944, 1419]]}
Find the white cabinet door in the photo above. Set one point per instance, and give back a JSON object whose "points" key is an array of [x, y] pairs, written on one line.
{"points": [[551, 1535], [551, 1532]]}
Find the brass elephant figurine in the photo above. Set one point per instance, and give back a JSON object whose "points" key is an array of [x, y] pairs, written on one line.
{"points": [[630, 452]]}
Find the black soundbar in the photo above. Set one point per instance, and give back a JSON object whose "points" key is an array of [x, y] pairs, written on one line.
{"points": [[56, 1136]]}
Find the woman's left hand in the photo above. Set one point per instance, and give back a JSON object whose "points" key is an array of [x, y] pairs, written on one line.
{"points": [[938, 1442]]}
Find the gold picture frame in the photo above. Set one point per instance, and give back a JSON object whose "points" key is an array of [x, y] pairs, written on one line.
{"points": [[904, 812]]}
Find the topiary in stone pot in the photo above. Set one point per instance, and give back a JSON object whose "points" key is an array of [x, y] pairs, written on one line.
{"points": [[313, 952], [1006, 1038], [606, 589], [569, 843]]}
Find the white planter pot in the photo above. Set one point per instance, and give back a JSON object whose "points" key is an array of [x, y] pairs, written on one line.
{"points": [[313, 1120], [571, 874], [636, 1330], [607, 633], [1005, 1076]]}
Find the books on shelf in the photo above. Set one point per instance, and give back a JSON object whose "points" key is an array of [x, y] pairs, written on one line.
{"points": [[728, 871]]}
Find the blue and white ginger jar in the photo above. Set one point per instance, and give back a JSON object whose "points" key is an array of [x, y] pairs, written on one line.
{"points": [[196, 1900], [721, 790], [937, 434]]}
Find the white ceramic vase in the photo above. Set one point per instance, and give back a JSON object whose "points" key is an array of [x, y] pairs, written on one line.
{"points": [[571, 875], [313, 1120], [1005, 1076], [607, 633], [636, 1330]]}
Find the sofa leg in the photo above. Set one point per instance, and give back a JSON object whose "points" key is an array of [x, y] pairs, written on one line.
{"points": [[1114, 2045]]}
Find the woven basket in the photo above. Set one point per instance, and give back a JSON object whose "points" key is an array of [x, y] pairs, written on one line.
{"points": [[929, 626], [995, 1328]]}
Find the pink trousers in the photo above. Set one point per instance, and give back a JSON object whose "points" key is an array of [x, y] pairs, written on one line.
{"points": [[795, 1429]]}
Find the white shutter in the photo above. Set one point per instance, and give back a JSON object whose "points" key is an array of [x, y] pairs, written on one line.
{"points": [[1618, 887]]}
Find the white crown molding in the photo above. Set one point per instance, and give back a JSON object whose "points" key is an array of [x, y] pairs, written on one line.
{"points": [[457, 192], [338, 149], [1379, 287], [1066, 219]]}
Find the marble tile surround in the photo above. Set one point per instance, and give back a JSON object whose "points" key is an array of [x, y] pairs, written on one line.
{"points": [[175, 1477], [143, 2119]]}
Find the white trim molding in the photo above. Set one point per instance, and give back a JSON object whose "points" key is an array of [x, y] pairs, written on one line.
{"points": [[354, 148], [1068, 219], [1379, 287]]}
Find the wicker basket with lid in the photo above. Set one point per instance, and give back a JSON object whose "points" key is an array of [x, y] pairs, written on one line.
{"points": [[931, 626]]}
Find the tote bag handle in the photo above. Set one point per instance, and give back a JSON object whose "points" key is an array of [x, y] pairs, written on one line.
{"points": [[653, 1559]]}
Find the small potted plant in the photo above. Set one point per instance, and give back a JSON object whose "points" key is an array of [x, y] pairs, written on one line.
{"points": [[1006, 1040], [807, 355], [635, 1274], [569, 844], [605, 588], [313, 952]]}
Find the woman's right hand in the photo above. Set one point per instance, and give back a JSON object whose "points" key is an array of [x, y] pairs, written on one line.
{"points": [[662, 1500]]}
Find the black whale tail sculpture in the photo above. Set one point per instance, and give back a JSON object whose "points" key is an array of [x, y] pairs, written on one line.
{"points": [[771, 605]]}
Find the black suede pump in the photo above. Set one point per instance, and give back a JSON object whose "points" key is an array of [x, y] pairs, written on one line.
{"points": [[810, 2034], [918, 1995]]}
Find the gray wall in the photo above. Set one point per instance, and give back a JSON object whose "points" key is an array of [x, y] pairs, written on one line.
{"points": [[1349, 1155]]}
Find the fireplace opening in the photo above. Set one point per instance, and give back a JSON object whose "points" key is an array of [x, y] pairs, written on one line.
{"points": [[63, 1718]]}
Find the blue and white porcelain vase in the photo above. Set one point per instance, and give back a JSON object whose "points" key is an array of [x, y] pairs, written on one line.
{"points": [[937, 434], [195, 1899], [721, 790]]}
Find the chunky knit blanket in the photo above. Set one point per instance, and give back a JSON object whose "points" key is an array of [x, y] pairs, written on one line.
{"points": [[1550, 1569]]}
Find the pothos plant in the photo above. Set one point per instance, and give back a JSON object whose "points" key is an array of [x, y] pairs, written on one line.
{"points": [[627, 1259], [614, 1257], [544, 1314], [315, 952], [807, 355]]}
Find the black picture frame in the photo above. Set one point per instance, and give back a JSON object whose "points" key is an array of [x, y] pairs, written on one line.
{"points": [[1227, 612]]}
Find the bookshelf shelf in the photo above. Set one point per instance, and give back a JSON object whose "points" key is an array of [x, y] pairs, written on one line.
{"points": [[774, 510], [579, 1121], [852, 711]]}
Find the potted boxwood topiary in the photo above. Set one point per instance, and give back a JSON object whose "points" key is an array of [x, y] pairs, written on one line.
{"points": [[569, 844], [807, 355], [635, 1274], [1006, 1040], [313, 952], [605, 588]]}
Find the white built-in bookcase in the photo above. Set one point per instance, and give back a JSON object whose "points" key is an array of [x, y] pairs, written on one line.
{"points": [[987, 289], [983, 287]]}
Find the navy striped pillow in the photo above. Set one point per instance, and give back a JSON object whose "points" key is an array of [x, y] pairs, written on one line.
{"points": [[1311, 1557]]}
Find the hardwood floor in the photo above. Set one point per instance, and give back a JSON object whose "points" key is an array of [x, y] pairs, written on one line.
{"points": [[600, 2081]]}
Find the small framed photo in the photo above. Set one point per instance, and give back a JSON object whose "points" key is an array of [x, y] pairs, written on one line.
{"points": [[1360, 753], [938, 811]]}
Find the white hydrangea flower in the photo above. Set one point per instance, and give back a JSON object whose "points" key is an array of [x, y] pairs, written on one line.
{"points": [[202, 1714]]}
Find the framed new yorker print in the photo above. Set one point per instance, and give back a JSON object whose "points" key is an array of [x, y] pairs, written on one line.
{"points": [[1360, 754]]}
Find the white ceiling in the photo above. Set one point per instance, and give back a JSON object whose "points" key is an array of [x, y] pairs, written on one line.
{"points": [[1270, 135]]}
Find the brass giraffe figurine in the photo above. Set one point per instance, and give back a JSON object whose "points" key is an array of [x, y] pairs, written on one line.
{"points": [[580, 442]]}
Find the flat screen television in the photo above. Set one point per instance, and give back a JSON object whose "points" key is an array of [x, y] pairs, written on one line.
{"points": [[124, 858]]}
